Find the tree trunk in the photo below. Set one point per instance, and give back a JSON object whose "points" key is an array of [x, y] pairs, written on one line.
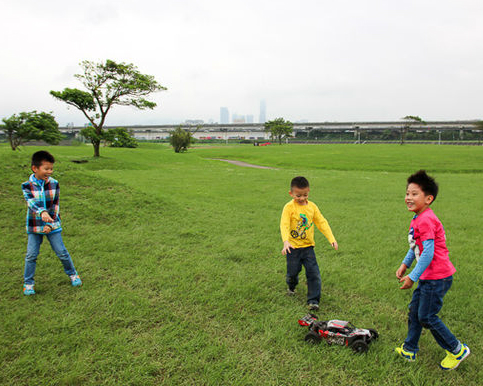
{"points": [[12, 145], [96, 145]]}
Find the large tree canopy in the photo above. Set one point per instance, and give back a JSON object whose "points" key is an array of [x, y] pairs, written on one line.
{"points": [[107, 84], [24, 126], [279, 128]]}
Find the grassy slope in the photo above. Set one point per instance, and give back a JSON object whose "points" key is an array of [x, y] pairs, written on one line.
{"points": [[184, 282]]}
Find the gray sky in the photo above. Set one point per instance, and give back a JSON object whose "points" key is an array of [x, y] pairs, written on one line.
{"points": [[345, 60]]}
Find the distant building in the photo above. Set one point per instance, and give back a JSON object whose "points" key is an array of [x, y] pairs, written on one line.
{"points": [[224, 115], [263, 112], [249, 118], [235, 118]]}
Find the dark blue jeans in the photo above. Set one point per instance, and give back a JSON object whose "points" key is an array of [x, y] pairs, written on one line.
{"points": [[305, 257], [33, 248], [426, 303]]}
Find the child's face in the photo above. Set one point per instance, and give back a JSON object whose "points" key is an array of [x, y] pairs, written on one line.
{"points": [[300, 195], [416, 200], [43, 171]]}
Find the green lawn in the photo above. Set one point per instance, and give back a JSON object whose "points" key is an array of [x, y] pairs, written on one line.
{"points": [[184, 282]]}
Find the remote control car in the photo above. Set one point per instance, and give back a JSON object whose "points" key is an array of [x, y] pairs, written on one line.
{"points": [[338, 332]]}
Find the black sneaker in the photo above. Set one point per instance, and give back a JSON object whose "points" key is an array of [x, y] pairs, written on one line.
{"points": [[290, 292], [313, 307]]}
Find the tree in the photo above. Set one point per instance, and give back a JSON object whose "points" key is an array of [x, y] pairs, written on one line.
{"points": [[108, 84], [180, 139], [120, 137], [479, 125], [410, 121], [279, 128], [24, 126]]}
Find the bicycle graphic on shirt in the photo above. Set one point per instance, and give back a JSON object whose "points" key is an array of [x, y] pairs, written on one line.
{"points": [[302, 227]]}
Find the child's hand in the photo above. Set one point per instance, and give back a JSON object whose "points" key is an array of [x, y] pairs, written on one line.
{"points": [[47, 229], [401, 271], [335, 245], [46, 217], [286, 247], [407, 282]]}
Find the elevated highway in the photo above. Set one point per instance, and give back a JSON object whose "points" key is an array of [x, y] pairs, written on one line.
{"points": [[256, 130]]}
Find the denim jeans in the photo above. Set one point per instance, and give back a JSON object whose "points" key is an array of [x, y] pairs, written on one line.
{"points": [[33, 248], [306, 257], [426, 303]]}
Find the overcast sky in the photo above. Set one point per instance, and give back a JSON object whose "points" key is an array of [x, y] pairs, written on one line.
{"points": [[344, 60]]}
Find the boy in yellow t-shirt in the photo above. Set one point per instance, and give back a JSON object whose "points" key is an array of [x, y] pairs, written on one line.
{"points": [[296, 227]]}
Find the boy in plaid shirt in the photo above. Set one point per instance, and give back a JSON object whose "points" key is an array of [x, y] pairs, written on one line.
{"points": [[42, 195]]}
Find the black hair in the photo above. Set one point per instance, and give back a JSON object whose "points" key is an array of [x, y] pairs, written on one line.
{"points": [[299, 182], [40, 156], [427, 183]]}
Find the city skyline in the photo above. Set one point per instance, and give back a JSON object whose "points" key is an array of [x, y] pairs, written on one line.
{"points": [[240, 118]]}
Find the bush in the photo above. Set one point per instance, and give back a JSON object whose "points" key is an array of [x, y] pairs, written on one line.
{"points": [[76, 142], [180, 139], [119, 137]]}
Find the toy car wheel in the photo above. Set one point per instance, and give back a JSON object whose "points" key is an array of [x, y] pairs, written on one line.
{"points": [[374, 334], [322, 326], [312, 338], [359, 346]]}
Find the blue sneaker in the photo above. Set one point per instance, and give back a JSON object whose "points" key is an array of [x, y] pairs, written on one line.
{"points": [[408, 355], [28, 289], [75, 280]]}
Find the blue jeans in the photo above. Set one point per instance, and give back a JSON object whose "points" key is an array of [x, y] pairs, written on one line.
{"points": [[426, 303], [33, 248], [306, 257]]}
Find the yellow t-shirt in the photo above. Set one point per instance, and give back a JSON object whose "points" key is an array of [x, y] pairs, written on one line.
{"points": [[297, 224]]}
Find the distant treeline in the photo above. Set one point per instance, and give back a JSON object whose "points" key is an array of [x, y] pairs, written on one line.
{"points": [[391, 135]]}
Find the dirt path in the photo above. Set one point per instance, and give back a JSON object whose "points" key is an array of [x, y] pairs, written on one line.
{"points": [[244, 164]]}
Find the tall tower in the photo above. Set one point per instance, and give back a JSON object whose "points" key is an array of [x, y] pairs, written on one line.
{"points": [[224, 115], [263, 111]]}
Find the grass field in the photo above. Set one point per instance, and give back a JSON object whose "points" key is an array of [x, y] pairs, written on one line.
{"points": [[184, 280]]}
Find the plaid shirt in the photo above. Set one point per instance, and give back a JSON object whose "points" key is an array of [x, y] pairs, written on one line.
{"points": [[41, 196]]}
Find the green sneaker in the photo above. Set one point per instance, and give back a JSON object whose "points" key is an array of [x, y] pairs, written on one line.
{"points": [[408, 355], [452, 361]]}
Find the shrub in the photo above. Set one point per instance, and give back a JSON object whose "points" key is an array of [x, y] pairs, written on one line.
{"points": [[119, 137], [180, 139]]}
